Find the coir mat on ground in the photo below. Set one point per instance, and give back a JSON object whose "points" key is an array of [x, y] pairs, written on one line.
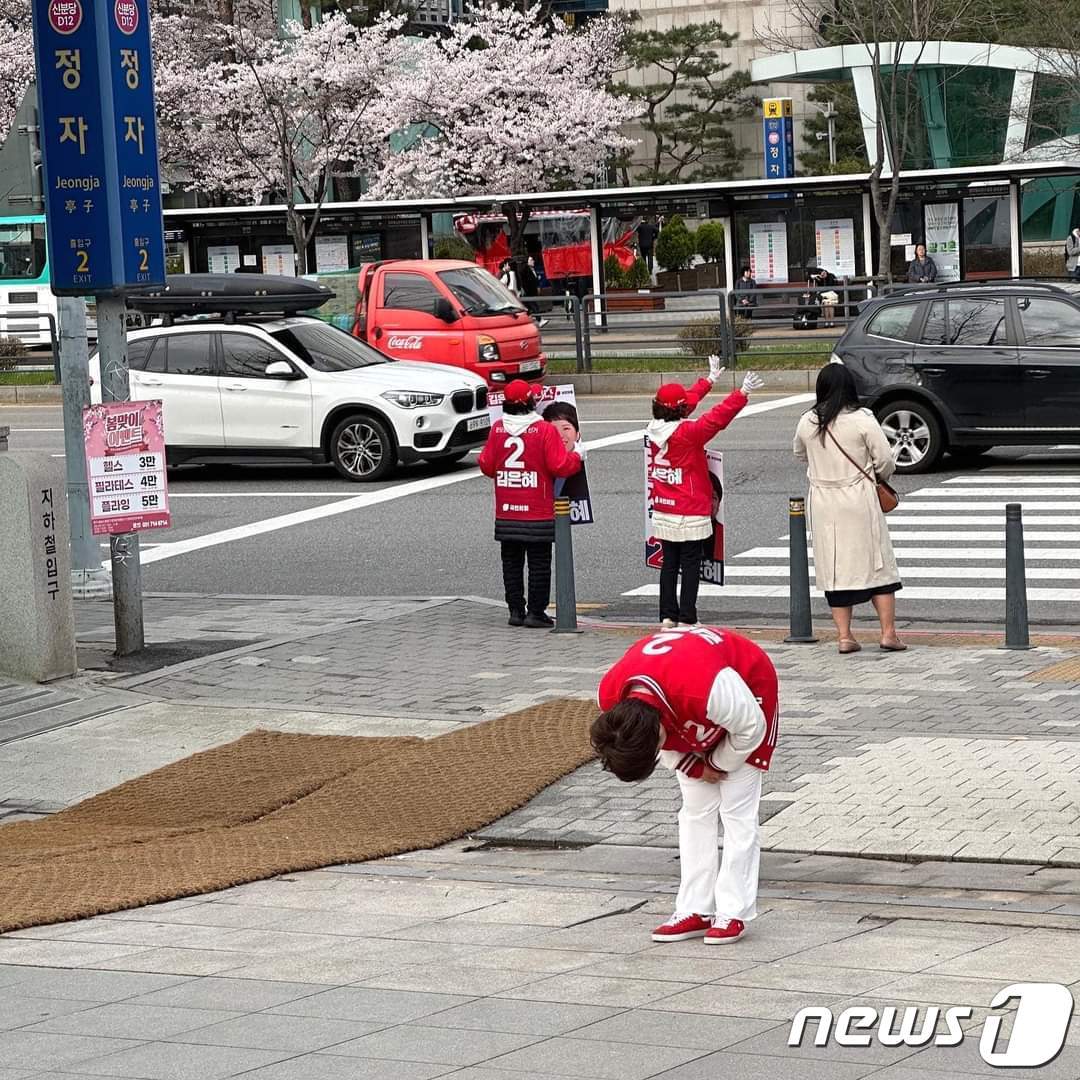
{"points": [[272, 803]]}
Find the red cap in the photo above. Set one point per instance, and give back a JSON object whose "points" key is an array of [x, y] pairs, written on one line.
{"points": [[518, 391], [672, 395]]}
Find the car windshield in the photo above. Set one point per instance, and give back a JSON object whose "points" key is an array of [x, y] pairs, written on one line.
{"points": [[480, 293], [326, 348]]}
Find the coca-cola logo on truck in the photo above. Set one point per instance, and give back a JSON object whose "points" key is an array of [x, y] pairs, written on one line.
{"points": [[413, 341]]}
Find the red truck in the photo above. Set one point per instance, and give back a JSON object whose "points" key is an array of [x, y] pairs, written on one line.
{"points": [[448, 312]]}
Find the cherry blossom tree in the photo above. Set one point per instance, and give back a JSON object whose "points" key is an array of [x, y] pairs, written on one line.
{"points": [[508, 102], [278, 115], [16, 59]]}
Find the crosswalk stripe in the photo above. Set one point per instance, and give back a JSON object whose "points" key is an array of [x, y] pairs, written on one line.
{"points": [[1010, 478], [945, 573], [986, 492], [916, 592], [1029, 505], [998, 532], [940, 553], [967, 519]]}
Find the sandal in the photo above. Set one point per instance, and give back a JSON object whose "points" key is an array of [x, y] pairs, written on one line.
{"points": [[897, 646], [847, 645]]}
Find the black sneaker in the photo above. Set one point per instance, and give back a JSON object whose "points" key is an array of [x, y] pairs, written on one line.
{"points": [[541, 621], [517, 618]]}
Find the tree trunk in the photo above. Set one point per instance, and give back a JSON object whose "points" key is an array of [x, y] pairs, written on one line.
{"points": [[516, 219], [298, 231]]}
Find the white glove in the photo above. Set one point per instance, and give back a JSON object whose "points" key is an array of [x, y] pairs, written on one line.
{"points": [[715, 368], [753, 381], [579, 449]]}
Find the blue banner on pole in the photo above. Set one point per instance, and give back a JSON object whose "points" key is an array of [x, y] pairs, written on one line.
{"points": [[98, 141], [779, 138]]}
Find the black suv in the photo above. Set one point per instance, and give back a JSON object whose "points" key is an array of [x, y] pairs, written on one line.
{"points": [[964, 367]]}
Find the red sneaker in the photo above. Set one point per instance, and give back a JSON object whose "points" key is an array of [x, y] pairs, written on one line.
{"points": [[725, 931], [684, 928]]}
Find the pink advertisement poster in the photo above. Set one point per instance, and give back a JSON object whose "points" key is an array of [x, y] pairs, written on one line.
{"points": [[125, 465]]}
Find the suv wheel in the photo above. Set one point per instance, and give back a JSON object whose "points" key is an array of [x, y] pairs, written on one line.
{"points": [[362, 449], [914, 433]]}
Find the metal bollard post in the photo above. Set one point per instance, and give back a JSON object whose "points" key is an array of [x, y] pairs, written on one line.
{"points": [[565, 592], [4, 437], [1016, 610], [801, 627]]}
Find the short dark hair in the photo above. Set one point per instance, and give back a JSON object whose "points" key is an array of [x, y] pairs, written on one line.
{"points": [[626, 737], [745, 270], [519, 408], [670, 412], [562, 410]]}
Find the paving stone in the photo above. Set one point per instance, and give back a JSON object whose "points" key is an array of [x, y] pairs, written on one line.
{"points": [[264, 1031], [370, 1006], [687, 1030], [522, 1017], [594, 1059], [179, 1061], [416, 1042], [131, 1021]]}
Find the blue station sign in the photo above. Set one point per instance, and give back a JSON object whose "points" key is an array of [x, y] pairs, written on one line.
{"points": [[779, 138], [99, 149]]}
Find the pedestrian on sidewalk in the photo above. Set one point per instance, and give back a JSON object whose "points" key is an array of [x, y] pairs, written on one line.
{"points": [[524, 455], [679, 485], [847, 452], [704, 703], [1072, 253]]}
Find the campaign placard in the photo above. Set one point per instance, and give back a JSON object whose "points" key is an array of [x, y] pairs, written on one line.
{"points": [[576, 487], [125, 466], [712, 566]]}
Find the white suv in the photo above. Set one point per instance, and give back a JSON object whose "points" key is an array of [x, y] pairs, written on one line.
{"points": [[295, 388]]}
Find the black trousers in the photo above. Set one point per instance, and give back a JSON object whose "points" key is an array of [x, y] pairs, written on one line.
{"points": [[514, 553], [680, 605]]}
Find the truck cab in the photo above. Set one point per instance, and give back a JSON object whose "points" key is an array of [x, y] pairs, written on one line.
{"points": [[445, 311]]}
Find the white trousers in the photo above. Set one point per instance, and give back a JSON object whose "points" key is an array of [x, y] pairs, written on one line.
{"points": [[710, 886]]}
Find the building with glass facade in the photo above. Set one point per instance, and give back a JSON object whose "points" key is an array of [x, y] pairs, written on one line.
{"points": [[977, 104]]}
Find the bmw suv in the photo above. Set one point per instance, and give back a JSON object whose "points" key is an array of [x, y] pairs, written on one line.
{"points": [[965, 367], [293, 388]]}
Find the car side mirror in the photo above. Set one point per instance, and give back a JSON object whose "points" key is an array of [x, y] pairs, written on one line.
{"points": [[281, 369], [444, 310]]}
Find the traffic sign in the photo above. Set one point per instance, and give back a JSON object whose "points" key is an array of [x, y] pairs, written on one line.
{"points": [[98, 141]]}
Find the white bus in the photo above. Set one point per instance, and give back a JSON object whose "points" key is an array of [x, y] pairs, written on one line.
{"points": [[26, 301]]}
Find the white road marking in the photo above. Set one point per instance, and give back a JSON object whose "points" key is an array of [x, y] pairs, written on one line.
{"points": [[401, 491], [943, 553], [1013, 478], [1043, 573], [25, 430], [969, 519], [984, 535], [1028, 505], [260, 495], [907, 593], [985, 492]]}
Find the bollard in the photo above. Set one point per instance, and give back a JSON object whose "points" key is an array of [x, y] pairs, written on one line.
{"points": [[802, 627], [1016, 611], [565, 592], [4, 437]]}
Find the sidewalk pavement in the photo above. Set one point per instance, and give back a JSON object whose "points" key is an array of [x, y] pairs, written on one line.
{"points": [[495, 959], [938, 753]]}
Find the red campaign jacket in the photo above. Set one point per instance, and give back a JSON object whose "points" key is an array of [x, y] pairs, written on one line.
{"points": [[678, 469], [688, 674], [524, 455]]}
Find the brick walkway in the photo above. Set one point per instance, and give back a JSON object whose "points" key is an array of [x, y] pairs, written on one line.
{"points": [[945, 752]]}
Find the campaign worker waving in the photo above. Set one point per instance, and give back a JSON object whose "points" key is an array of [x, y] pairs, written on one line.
{"points": [[524, 455], [680, 485]]}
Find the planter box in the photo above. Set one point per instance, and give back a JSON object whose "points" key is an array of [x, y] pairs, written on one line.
{"points": [[709, 276], [633, 300]]}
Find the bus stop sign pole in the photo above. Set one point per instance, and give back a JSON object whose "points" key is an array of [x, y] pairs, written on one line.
{"points": [[102, 188]]}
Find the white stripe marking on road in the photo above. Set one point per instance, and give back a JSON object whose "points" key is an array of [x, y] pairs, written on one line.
{"points": [[986, 534], [780, 592], [1028, 504], [943, 553], [1043, 573], [1013, 478], [968, 519], [401, 491], [985, 492]]}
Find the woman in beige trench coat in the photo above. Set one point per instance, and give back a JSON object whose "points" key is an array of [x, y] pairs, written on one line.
{"points": [[853, 555]]}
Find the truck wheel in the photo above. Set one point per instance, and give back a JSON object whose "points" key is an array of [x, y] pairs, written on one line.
{"points": [[914, 433], [362, 449]]}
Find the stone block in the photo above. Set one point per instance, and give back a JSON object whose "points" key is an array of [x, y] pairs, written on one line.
{"points": [[37, 629]]}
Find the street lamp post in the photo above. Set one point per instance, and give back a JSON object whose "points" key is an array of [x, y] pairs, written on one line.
{"points": [[828, 111]]}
